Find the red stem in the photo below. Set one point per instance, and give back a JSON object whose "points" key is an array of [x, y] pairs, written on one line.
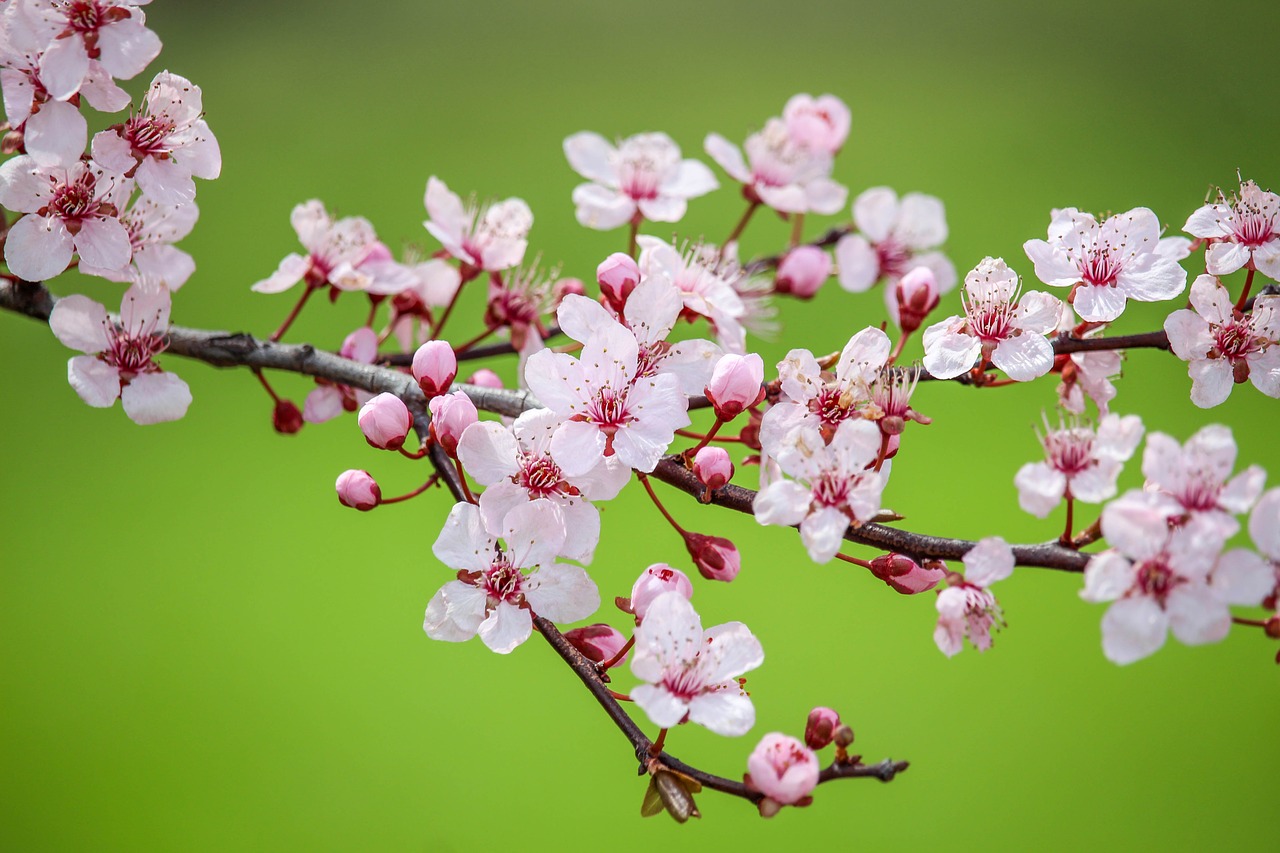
{"points": [[431, 481], [293, 315], [853, 560], [1248, 283], [267, 385], [644, 481], [616, 659], [742, 224]]}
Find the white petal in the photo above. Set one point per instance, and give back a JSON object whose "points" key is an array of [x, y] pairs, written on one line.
{"points": [[97, 382], [37, 248], [562, 593], [823, 532], [464, 543], [1196, 615], [590, 155], [1040, 488], [154, 398], [506, 627], [104, 243], [534, 533], [80, 323], [728, 156], [488, 452], [1132, 629], [876, 212], [727, 712], [662, 707], [1106, 577]]}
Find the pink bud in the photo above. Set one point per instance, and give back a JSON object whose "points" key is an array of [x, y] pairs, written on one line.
{"points": [[434, 366], [716, 558], [713, 467], [736, 384], [286, 417], [820, 729], [905, 575], [803, 271], [618, 276], [917, 295], [783, 769], [450, 415], [598, 643], [485, 378], [385, 421], [819, 123], [566, 286], [358, 490], [653, 582]]}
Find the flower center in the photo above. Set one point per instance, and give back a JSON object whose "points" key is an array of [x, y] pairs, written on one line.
{"points": [[832, 405], [77, 201], [991, 321], [147, 134], [688, 681], [539, 476], [893, 257], [1236, 340], [1100, 268], [831, 489], [1071, 450], [131, 352], [1155, 579], [1253, 227], [84, 17], [503, 582], [609, 410]]}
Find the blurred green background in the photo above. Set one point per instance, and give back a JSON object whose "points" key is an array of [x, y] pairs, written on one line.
{"points": [[203, 650]]}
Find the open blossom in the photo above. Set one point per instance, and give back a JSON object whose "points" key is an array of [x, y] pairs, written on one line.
{"points": [[693, 673], [706, 282], [119, 357], [1242, 230], [966, 608], [77, 33], [515, 465], [164, 145], [836, 488], [1079, 461], [518, 301], [997, 327], [489, 238], [153, 229], [1105, 264], [783, 769], [1223, 346], [643, 175], [432, 284], [1163, 579], [895, 236], [71, 210], [499, 587], [783, 174], [820, 123], [330, 399]]}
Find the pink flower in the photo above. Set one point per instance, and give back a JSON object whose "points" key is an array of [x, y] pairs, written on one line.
{"points": [[783, 769], [895, 237], [713, 467], [916, 295], [358, 490], [905, 575], [500, 587], [708, 284], [1223, 346], [329, 400], [1080, 462], [967, 608], [643, 176], [153, 229], [997, 326], [821, 124], [519, 301], [735, 385], [344, 253], [385, 421], [1243, 230], [451, 414], [485, 378], [785, 175], [113, 33], [653, 582], [432, 284], [691, 673], [490, 238], [1107, 263], [618, 275], [434, 367], [715, 558], [119, 361], [803, 272], [69, 210], [820, 727], [165, 144], [598, 643]]}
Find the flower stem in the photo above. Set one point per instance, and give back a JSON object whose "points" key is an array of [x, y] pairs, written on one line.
{"points": [[655, 748], [797, 229], [740, 227], [644, 481], [632, 232], [1066, 539], [616, 659], [462, 480], [448, 309], [477, 339], [293, 315], [431, 481], [853, 560], [897, 350], [267, 385], [706, 439], [1248, 284]]}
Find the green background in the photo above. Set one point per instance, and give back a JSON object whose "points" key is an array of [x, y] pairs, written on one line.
{"points": [[203, 650]]}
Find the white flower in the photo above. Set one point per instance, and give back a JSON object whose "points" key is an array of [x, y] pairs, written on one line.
{"points": [[708, 284], [785, 175], [895, 237], [1242, 230], [489, 238], [966, 608], [1080, 462], [644, 175]]}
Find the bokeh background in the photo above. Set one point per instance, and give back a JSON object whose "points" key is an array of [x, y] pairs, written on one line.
{"points": [[203, 650]]}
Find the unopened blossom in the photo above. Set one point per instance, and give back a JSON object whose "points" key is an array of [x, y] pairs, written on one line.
{"points": [[803, 272], [1243, 230], [286, 417], [358, 490], [779, 172], [566, 287], [706, 280], [967, 608], [119, 360], [337, 251], [153, 229], [894, 236], [499, 588], [608, 408], [598, 643], [493, 237], [835, 488], [783, 769], [1107, 263], [997, 327], [617, 276], [916, 295], [715, 558], [485, 378], [643, 176], [1080, 462], [690, 673], [434, 368], [653, 582], [1264, 529], [713, 467], [385, 421], [905, 575], [69, 211], [1224, 346], [735, 384], [330, 399], [516, 466], [820, 727], [1163, 579], [821, 123], [77, 33], [165, 144], [451, 415]]}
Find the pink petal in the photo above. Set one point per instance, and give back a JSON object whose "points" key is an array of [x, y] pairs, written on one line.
{"points": [[63, 67], [166, 181], [857, 265], [728, 156], [562, 593], [602, 208], [154, 398], [289, 273], [127, 47], [590, 155], [876, 212], [1132, 629], [80, 323], [97, 382], [104, 243], [38, 248], [56, 135], [506, 627]]}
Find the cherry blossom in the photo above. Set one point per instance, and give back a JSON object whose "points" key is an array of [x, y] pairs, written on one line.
{"points": [[493, 237], [165, 144], [451, 416], [71, 210], [1081, 462], [80, 31], [1243, 231], [357, 489], [896, 236], [153, 229], [1225, 346], [330, 399], [119, 361], [803, 272], [642, 176], [713, 467], [1264, 530], [916, 294], [499, 588], [966, 608], [693, 674], [617, 276], [434, 367], [783, 174], [599, 643], [518, 302], [432, 284], [706, 283], [385, 421], [820, 727], [906, 576], [997, 327], [1105, 264], [821, 123], [783, 769], [653, 582]]}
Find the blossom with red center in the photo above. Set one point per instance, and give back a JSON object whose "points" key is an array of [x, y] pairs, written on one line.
{"points": [[894, 237], [783, 769], [518, 302], [643, 176], [1225, 346], [1107, 263], [153, 229], [491, 238], [1242, 231], [119, 363], [78, 32], [966, 608], [890, 404], [783, 174], [693, 674], [709, 283], [1079, 461]]}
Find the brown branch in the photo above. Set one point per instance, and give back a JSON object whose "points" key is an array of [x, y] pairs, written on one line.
{"points": [[771, 261]]}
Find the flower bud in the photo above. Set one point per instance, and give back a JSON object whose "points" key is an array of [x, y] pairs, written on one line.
{"points": [[1272, 627], [485, 378], [905, 575], [385, 421], [783, 769], [434, 366], [450, 415], [716, 558], [565, 287], [358, 490], [917, 295], [286, 417], [598, 643], [618, 276], [803, 271], [713, 467], [820, 730], [843, 736], [736, 384], [653, 582]]}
